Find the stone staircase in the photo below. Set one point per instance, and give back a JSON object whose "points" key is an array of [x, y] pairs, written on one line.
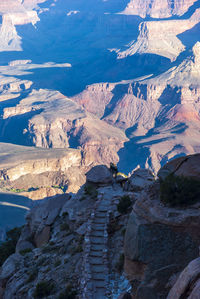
{"points": [[95, 278]]}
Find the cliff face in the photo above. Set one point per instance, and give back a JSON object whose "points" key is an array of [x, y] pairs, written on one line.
{"points": [[161, 240], [161, 37], [39, 173], [82, 237], [164, 108], [16, 13], [48, 119], [158, 8]]}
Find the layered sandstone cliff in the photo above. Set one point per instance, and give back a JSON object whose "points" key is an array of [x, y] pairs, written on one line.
{"points": [[164, 108], [161, 37], [158, 8]]}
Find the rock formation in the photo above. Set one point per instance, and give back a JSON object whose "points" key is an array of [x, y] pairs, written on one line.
{"points": [[188, 283], [79, 236], [160, 241], [163, 109], [14, 13], [161, 37], [158, 8], [39, 173]]}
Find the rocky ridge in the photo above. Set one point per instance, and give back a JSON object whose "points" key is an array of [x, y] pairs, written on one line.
{"points": [[39, 173], [75, 235], [157, 8], [162, 112], [160, 37]]}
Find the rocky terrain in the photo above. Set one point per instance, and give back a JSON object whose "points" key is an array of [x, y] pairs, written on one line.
{"points": [[114, 236], [37, 170], [158, 9]]}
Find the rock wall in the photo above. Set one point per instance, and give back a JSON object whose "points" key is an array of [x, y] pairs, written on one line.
{"points": [[158, 8]]}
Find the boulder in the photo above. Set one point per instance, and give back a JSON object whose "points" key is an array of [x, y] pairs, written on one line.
{"points": [[159, 241], [10, 265], [40, 219], [140, 179], [188, 166], [99, 174], [188, 283]]}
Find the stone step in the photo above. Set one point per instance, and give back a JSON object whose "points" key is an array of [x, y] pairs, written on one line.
{"points": [[100, 215], [100, 284], [96, 240], [99, 221], [97, 233], [96, 261], [98, 226], [97, 247], [98, 268], [96, 253], [99, 276]]}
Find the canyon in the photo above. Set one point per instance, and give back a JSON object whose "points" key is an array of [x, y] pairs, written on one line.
{"points": [[84, 84]]}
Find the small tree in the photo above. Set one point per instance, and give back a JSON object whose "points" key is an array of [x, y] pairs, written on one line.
{"points": [[8, 247], [179, 190]]}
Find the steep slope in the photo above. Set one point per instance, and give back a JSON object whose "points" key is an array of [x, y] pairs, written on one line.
{"points": [[158, 8], [165, 109], [46, 118], [161, 37], [16, 13], [33, 171]]}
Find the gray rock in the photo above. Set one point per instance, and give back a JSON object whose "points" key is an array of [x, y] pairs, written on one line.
{"points": [[99, 174], [188, 283], [184, 166], [10, 265], [140, 179], [162, 240]]}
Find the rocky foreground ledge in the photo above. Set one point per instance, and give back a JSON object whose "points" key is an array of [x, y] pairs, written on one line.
{"points": [[115, 238]]}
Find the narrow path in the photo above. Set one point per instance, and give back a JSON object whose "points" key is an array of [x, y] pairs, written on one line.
{"points": [[95, 278]]}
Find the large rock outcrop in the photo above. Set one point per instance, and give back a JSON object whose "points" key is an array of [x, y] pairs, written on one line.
{"points": [[188, 283], [161, 37], [160, 114], [28, 169], [158, 8], [160, 241]]}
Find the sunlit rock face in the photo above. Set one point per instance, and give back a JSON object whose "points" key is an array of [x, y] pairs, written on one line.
{"points": [[158, 8], [162, 112], [161, 37], [16, 13]]}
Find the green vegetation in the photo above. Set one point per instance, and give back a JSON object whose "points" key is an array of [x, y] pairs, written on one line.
{"points": [[25, 251], [57, 263], [64, 227], [43, 289], [32, 275], [91, 191], [8, 247], [69, 293], [63, 188], [179, 190], [122, 174], [124, 204], [15, 190]]}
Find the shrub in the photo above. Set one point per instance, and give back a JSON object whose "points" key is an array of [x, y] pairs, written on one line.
{"points": [[57, 263], [25, 251], [91, 191], [124, 204], [64, 227], [69, 293], [8, 247], [32, 275], [43, 289], [179, 190]]}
